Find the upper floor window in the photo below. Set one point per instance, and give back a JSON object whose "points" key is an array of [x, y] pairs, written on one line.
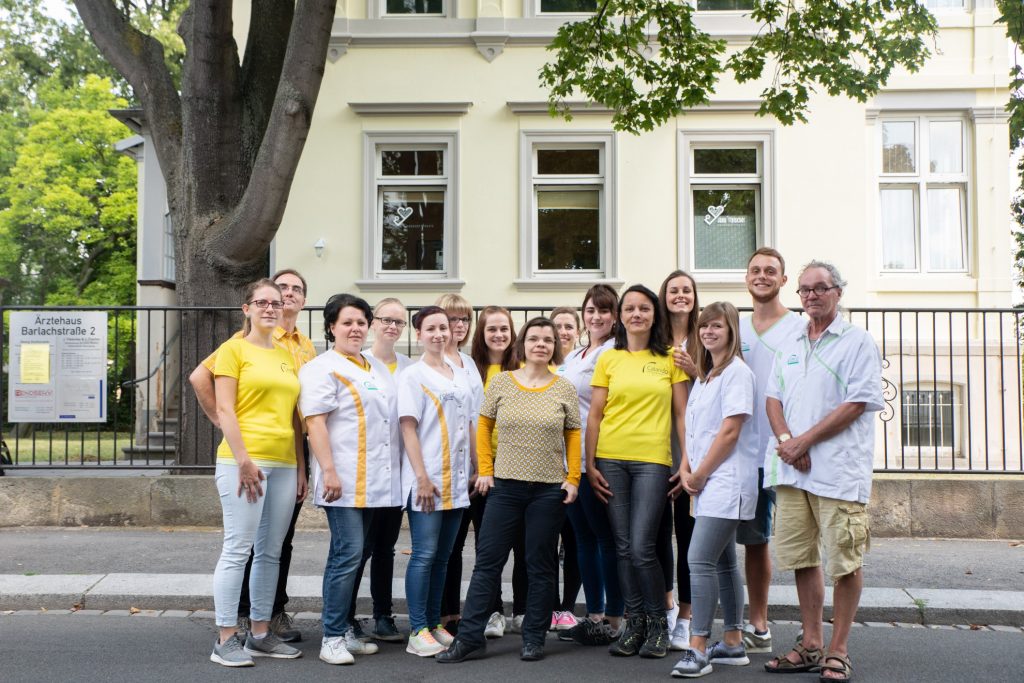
{"points": [[727, 187], [565, 6], [410, 192], [945, 4], [566, 204], [410, 8], [724, 5], [923, 194]]}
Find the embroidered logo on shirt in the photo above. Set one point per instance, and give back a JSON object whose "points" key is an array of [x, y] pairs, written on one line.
{"points": [[744, 347], [793, 360]]}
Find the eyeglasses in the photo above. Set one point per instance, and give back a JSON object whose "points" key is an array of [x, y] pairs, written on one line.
{"points": [[459, 319], [292, 288], [819, 290], [263, 303], [388, 322]]}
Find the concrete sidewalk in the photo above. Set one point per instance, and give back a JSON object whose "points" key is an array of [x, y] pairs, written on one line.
{"points": [[907, 581]]}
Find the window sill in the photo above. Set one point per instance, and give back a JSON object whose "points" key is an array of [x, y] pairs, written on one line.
{"points": [[562, 285], [417, 285], [923, 283]]}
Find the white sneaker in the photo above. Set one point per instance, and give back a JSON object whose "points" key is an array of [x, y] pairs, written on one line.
{"points": [[495, 626], [333, 651], [423, 644], [672, 615], [517, 623], [680, 638], [755, 642], [442, 636], [356, 646]]}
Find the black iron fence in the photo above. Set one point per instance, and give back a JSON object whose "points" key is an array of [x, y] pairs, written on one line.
{"points": [[952, 381]]}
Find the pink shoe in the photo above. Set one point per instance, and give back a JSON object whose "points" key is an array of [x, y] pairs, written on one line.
{"points": [[563, 621]]}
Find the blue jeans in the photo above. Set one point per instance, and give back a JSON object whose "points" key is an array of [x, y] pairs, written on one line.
{"points": [[259, 527], [639, 493], [380, 545], [433, 536], [538, 508], [715, 573], [595, 551], [349, 527]]}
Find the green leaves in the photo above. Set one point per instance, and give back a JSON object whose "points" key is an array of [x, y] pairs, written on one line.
{"points": [[649, 61]]}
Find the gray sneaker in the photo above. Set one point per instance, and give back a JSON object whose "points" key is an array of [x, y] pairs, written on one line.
{"points": [[270, 646], [731, 655], [230, 653], [757, 643], [693, 664], [282, 627]]}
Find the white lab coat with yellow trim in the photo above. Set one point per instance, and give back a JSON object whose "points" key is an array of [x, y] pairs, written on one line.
{"points": [[442, 408], [362, 423]]}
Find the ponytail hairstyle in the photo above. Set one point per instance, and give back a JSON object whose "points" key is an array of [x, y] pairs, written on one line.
{"points": [[720, 310], [247, 294]]}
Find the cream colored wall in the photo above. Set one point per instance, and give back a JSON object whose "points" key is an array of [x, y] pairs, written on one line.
{"points": [[824, 172]]}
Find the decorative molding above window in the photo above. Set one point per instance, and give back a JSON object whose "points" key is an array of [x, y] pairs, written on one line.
{"points": [[585, 107], [411, 108]]}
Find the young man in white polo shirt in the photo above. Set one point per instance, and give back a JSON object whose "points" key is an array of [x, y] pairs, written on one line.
{"points": [[826, 386], [761, 334]]}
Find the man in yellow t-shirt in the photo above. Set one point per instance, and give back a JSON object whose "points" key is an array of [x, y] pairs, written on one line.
{"points": [[288, 337]]}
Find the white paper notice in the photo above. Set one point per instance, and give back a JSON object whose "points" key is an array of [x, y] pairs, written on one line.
{"points": [[75, 386]]}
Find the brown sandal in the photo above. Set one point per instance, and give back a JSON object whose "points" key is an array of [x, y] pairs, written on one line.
{"points": [[810, 660], [844, 667]]}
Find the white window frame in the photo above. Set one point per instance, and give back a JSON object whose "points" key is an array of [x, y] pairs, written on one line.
{"points": [[920, 181], [169, 265], [763, 179], [531, 9], [378, 9], [693, 3], [530, 142], [957, 396], [373, 230]]}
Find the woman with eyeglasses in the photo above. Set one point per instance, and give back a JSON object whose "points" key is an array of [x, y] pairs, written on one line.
{"points": [[389, 323], [258, 476]]}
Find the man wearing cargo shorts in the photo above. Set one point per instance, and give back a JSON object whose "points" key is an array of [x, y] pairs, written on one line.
{"points": [[826, 384]]}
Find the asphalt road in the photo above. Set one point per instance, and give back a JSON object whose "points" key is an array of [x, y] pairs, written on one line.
{"points": [[891, 563], [76, 647]]}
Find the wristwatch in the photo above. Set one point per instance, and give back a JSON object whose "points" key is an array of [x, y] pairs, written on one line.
{"points": [[783, 438]]}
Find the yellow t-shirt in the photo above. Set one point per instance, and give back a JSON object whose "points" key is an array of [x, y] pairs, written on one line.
{"points": [[295, 343], [268, 389], [637, 420]]}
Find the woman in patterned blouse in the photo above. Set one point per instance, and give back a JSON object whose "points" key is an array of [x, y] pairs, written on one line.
{"points": [[537, 413]]}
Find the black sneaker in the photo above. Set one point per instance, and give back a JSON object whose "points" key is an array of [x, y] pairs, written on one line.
{"points": [[281, 626], [656, 644], [589, 632], [384, 629], [357, 628], [632, 637]]}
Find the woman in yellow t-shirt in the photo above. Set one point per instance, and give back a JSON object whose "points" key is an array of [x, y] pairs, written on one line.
{"points": [[258, 477], [638, 393]]}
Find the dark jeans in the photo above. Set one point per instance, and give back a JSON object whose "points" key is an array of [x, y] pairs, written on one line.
{"points": [[452, 601], [380, 545], [639, 491], [571, 580], [595, 545], [281, 595], [538, 508]]}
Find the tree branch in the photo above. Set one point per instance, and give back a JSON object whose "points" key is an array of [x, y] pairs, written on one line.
{"points": [[140, 59], [265, 50], [212, 114], [246, 233]]}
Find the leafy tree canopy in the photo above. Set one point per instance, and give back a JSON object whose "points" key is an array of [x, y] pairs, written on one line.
{"points": [[1012, 13], [67, 234], [648, 60]]}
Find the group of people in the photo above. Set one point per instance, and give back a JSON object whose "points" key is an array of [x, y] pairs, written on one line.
{"points": [[607, 427]]}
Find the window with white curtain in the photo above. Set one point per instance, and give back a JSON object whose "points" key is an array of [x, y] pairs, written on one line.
{"points": [[922, 200]]}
